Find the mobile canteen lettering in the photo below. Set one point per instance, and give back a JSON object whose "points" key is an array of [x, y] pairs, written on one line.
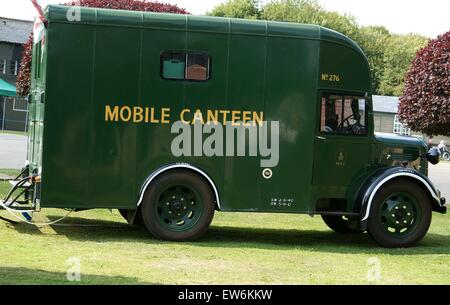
{"points": [[151, 115], [216, 133]]}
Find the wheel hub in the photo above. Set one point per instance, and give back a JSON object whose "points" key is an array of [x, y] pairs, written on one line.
{"points": [[179, 208], [399, 213], [177, 205]]}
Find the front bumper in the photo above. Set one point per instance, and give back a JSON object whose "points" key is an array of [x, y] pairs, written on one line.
{"points": [[442, 208]]}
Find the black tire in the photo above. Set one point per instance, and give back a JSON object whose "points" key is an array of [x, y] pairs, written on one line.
{"points": [[339, 224], [420, 226], [151, 206]]}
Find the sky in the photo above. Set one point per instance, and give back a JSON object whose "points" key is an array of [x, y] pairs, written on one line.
{"points": [[429, 18]]}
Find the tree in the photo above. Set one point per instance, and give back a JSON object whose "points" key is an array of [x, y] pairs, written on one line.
{"points": [[23, 78], [425, 103], [300, 11], [400, 51], [373, 40], [247, 9]]}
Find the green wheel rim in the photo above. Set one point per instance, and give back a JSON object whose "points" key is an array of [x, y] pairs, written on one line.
{"points": [[400, 214], [179, 208]]}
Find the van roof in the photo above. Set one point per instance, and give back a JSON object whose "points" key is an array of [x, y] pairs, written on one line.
{"points": [[190, 23]]}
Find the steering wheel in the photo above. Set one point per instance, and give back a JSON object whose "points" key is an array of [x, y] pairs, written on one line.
{"points": [[346, 127], [346, 121]]}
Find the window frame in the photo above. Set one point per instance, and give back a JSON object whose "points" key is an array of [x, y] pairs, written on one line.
{"points": [[4, 63], [343, 95], [400, 128], [16, 67], [186, 54], [19, 109]]}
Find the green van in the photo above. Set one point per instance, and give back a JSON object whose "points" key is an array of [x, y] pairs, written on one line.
{"points": [[109, 89]]}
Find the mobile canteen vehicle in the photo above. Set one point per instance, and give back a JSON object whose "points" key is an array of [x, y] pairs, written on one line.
{"points": [[108, 87]]}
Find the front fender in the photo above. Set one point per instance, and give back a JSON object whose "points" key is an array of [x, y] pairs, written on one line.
{"points": [[382, 176]]}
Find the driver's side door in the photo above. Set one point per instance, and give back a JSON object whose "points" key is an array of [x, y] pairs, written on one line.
{"points": [[342, 146]]}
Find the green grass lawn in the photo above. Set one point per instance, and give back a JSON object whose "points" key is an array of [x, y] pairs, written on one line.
{"points": [[240, 248]]}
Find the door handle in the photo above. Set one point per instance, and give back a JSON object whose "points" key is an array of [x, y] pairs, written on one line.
{"points": [[321, 138]]}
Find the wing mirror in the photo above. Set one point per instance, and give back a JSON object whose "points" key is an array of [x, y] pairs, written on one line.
{"points": [[433, 155]]}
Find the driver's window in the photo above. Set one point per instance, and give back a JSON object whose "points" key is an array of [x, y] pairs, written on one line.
{"points": [[343, 115]]}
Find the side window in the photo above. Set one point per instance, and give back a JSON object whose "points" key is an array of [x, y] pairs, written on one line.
{"points": [[197, 67], [173, 65], [176, 65], [343, 115]]}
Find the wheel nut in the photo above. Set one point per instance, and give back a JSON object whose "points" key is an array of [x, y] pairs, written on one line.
{"points": [[409, 214], [404, 207], [397, 222], [393, 215], [167, 203], [405, 221], [396, 208]]}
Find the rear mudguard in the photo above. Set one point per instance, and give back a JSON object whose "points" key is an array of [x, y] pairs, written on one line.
{"points": [[374, 183]]}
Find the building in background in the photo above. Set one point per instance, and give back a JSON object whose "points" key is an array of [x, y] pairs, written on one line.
{"points": [[13, 34], [13, 110], [385, 112]]}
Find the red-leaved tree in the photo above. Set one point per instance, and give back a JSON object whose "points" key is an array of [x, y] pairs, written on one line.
{"points": [[23, 78], [425, 104]]}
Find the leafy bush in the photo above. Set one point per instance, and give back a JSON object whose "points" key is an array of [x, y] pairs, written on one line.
{"points": [[425, 103]]}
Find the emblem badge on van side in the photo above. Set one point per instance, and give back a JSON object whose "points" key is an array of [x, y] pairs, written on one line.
{"points": [[340, 159]]}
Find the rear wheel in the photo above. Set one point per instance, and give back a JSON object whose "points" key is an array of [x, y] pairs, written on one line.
{"points": [[400, 215], [339, 224], [178, 206]]}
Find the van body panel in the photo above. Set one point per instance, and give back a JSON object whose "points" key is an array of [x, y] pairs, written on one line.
{"points": [[113, 59]]}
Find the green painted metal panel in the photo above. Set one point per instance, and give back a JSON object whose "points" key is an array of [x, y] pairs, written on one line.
{"points": [[165, 21], [290, 99], [246, 91], [65, 164]]}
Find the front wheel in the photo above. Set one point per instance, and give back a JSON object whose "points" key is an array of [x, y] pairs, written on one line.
{"points": [[400, 215], [178, 206]]}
